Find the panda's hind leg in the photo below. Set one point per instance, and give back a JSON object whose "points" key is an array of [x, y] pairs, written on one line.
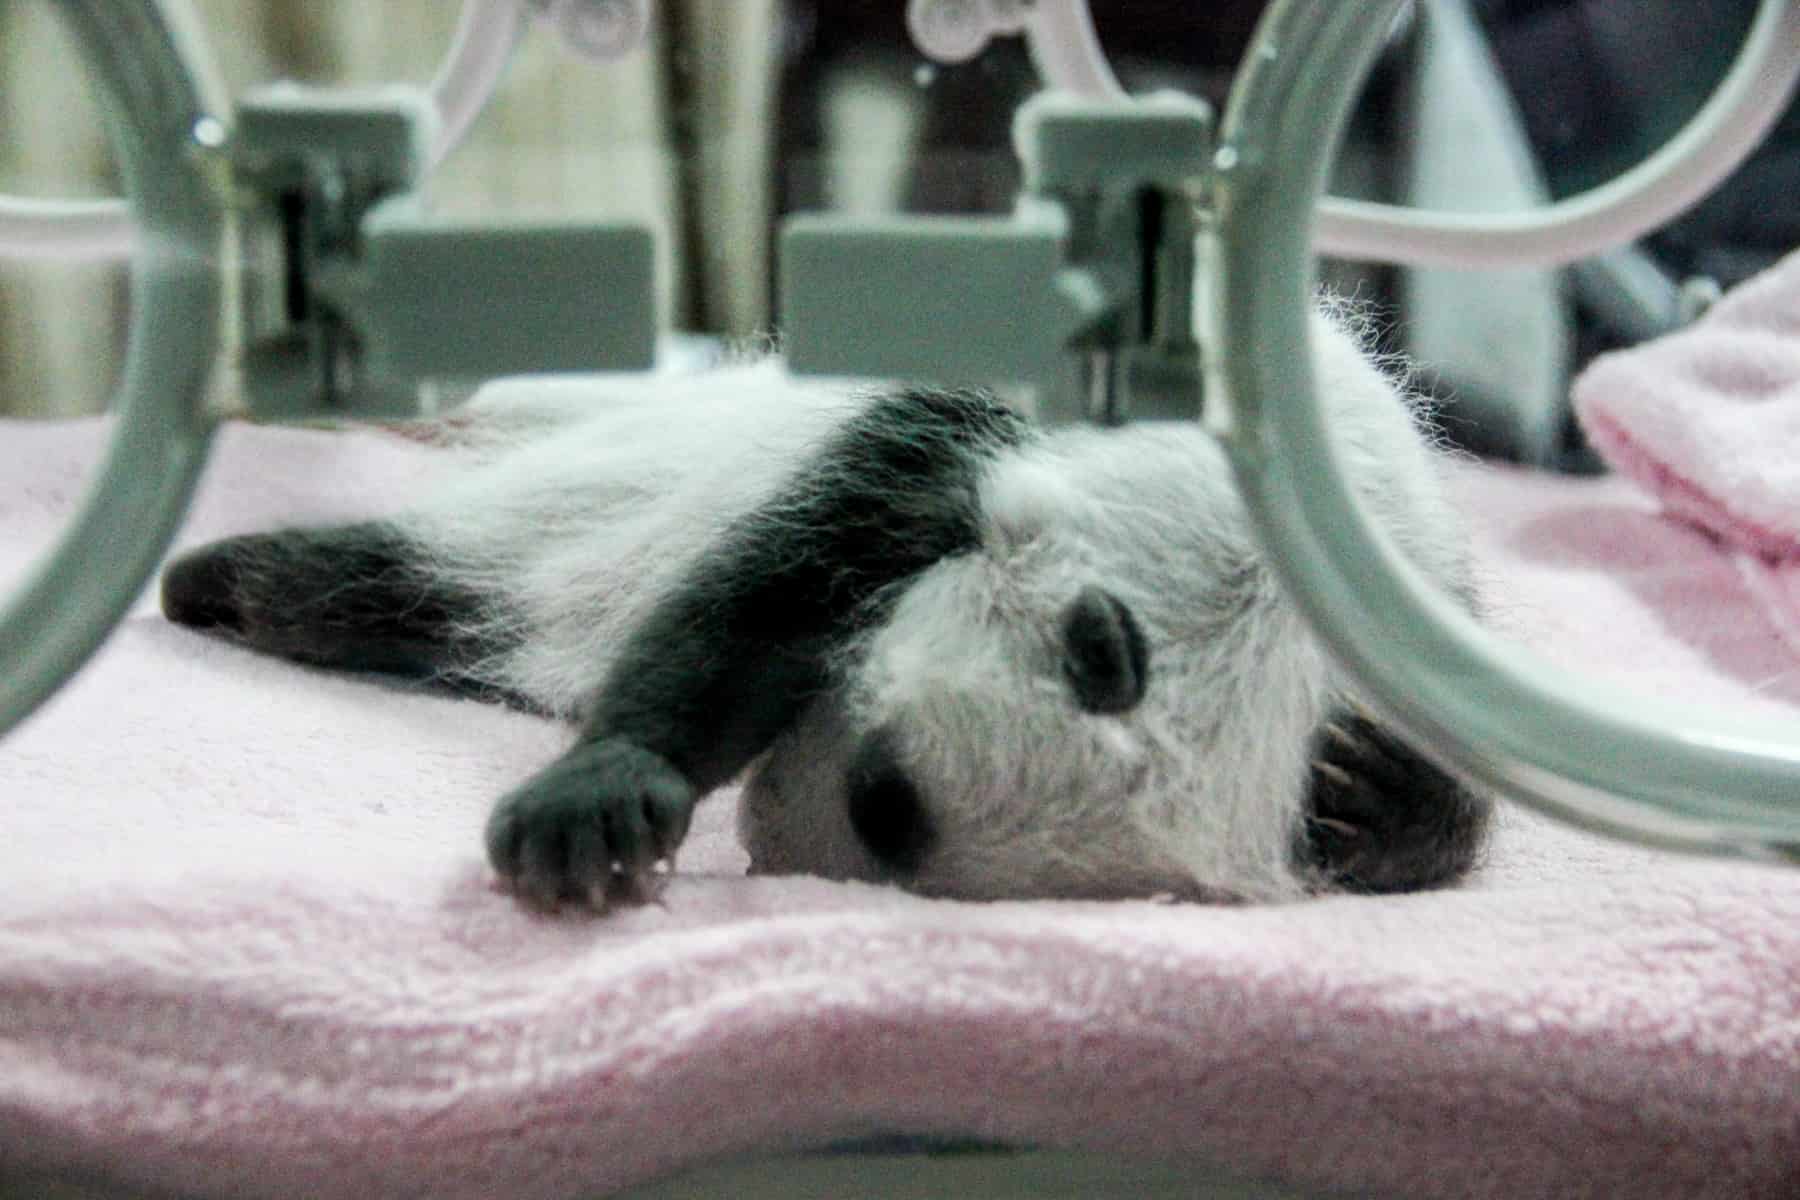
{"points": [[356, 597], [1384, 818]]}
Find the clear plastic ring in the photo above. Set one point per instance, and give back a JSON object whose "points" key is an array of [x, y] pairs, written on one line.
{"points": [[1483, 707], [163, 136]]}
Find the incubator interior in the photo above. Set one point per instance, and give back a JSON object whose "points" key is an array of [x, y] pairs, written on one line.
{"points": [[215, 856]]}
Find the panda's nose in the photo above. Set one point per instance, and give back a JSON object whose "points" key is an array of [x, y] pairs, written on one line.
{"points": [[887, 810]]}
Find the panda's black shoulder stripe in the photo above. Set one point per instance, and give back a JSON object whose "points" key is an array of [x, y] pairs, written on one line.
{"points": [[967, 418], [727, 659], [918, 438], [894, 490]]}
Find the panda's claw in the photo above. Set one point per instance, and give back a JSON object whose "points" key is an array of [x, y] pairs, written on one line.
{"points": [[590, 825]]}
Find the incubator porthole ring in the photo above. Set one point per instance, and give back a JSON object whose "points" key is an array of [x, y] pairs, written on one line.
{"points": [[1746, 103], [98, 230], [165, 141], [1656, 773]]}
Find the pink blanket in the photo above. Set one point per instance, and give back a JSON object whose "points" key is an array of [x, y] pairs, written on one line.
{"points": [[248, 946], [1708, 421]]}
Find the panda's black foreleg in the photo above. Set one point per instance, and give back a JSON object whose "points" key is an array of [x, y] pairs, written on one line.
{"points": [[356, 597], [731, 656]]}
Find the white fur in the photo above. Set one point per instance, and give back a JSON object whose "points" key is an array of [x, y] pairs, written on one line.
{"points": [[596, 495]]}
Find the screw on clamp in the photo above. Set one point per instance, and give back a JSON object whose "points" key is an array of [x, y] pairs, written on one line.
{"points": [[598, 30]]}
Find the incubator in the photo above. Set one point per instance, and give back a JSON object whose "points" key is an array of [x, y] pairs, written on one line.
{"points": [[1100, 307], [248, 943]]}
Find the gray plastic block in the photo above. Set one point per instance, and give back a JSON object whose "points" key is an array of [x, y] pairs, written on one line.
{"points": [[1072, 143], [445, 300], [381, 134], [948, 300]]}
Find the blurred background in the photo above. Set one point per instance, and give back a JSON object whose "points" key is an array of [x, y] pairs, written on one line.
{"points": [[737, 113]]}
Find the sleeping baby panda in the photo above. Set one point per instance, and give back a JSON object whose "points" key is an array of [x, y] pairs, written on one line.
{"points": [[952, 650]]}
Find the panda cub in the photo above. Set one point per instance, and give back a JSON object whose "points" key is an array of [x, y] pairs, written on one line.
{"points": [[952, 651]]}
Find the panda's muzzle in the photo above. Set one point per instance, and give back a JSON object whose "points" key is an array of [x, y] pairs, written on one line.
{"points": [[887, 811]]}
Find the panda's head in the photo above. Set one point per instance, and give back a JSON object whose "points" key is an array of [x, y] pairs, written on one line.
{"points": [[1112, 696]]}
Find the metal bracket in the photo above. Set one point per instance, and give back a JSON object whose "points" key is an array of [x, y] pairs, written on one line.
{"points": [[1085, 294], [354, 295]]}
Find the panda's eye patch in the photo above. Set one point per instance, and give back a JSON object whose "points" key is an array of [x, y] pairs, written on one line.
{"points": [[1105, 657]]}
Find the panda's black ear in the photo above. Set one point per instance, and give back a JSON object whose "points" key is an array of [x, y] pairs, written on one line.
{"points": [[1383, 818], [1105, 657]]}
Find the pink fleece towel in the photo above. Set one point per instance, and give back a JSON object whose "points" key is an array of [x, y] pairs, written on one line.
{"points": [[248, 947], [1708, 421]]}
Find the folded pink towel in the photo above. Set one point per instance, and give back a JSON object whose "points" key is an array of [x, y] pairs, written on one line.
{"points": [[248, 947], [1708, 420]]}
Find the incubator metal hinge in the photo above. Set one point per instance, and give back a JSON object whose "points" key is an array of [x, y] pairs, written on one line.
{"points": [[1085, 294], [355, 298]]}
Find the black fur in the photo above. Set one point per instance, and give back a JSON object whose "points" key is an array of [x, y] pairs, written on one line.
{"points": [[1382, 817], [1106, 659], [728, 660], [591, 825], [885, 807], [351, 597]]}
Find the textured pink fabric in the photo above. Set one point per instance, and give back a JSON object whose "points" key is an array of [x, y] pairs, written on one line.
{"points": [[1708, 420], [248, 947]]}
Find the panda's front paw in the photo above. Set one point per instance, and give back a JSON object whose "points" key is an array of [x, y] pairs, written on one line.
{"points": [[592, 826]]}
